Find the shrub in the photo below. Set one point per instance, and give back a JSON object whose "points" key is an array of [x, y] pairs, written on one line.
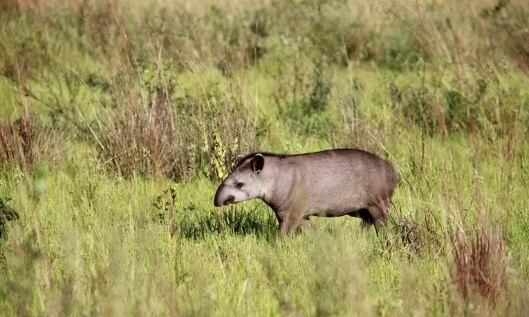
{"points": [[154, 132], [139, 141], [421, 106], [506, 25], [473, 103], [26, 142], [303, 100], [6, 214]]}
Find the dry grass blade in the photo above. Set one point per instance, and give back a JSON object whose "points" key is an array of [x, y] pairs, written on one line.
{"points": [[480, 263], [140, 141]]}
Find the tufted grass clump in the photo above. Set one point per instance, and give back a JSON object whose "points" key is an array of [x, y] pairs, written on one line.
{"points": [[27, 142], [480, 263]]}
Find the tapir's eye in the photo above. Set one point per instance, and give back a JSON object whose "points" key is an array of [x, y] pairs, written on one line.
{"points": [[239, 185]]}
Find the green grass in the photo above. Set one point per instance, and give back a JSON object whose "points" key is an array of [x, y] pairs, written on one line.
{"points": [[138, 112]]}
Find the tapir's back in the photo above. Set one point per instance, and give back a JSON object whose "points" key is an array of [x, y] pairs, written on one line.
{"points": [[335, 182]]}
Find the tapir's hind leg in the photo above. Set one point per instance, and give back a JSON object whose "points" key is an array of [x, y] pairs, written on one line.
{"points": [[375, 214], [379, 213], [367, 219], [365, 215]]}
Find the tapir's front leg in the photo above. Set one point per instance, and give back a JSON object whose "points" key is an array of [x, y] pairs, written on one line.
{"points": [[285, 224], [284, 228], [290, 221], [305, 225]]}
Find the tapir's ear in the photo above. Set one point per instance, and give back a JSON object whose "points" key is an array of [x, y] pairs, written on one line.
{"points": [[238, 160], [257, 163]]}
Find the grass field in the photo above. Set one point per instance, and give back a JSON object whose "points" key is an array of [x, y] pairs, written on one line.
{"points": [[118, 119]]}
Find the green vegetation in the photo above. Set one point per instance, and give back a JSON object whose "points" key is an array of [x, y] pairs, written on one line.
{"points": [[119, 118]]}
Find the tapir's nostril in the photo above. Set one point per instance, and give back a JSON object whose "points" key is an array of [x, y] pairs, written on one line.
{"points": [[229, 200]]}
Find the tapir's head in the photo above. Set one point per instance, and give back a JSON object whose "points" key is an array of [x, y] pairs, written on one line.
{"points": [[247, 181]]}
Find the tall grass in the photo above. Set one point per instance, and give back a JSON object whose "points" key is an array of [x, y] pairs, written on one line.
{"points": [[480, 263], [155, 131], [26, 142]]}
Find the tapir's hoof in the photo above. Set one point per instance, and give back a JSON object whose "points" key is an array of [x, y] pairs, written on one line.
{"points": [[305, 226]]}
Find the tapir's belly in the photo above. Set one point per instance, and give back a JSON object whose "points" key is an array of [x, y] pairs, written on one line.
{"points": [[335, 206]]}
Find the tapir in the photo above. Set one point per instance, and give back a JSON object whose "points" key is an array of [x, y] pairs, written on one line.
{"points": [[328, 183]]}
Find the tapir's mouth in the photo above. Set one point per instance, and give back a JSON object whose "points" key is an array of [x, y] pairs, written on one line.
{"points": [[217, 202], [229, 200]]}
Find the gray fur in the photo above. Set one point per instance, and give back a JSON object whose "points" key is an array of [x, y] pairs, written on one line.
{"points": [[329, 183]]}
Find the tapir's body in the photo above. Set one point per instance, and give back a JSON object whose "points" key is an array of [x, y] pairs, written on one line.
{"points": [[328, 183]]}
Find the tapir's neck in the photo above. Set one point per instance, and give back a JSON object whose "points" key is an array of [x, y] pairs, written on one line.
{"points": [[273, 200], [277, 185], [269, 195]]}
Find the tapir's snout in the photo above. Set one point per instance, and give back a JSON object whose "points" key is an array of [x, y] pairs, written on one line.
{"points": [[217, 200], [221, 198]]}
